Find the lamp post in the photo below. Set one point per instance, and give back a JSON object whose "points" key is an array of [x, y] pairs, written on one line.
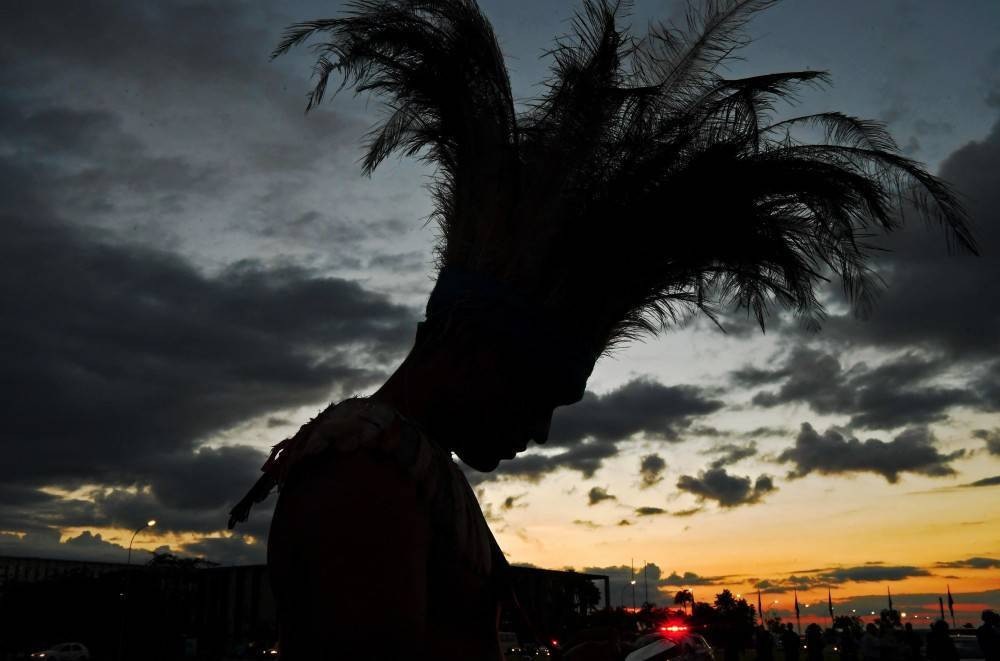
{"points": [[128, 576], [148, 524], [621, 594]]}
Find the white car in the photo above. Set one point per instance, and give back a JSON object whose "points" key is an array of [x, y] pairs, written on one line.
{"points": [[674, 643], [64, 652]]}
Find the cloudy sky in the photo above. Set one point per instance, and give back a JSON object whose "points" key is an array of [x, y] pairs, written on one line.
{"points": [[190, 267]]}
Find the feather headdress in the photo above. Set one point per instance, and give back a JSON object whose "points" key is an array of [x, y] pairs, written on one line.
{"points": [[642, 183]]}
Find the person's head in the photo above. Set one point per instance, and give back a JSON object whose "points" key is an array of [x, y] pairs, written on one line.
{"points": [[940, 626], [908, 626], [788, 626], [489, 366], [871, 628], [484, 386], [990, 616]]}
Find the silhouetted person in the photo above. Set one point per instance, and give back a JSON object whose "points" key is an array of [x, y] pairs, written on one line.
{"points": [[911, 643], [940, 646], [814, 642], [732, 645], [988, 635], [848, 645], [790, 643], [871, 644], [764, 644], [557, 242]]}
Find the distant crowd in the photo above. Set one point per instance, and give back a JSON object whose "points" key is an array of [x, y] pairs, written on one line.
{"points": [[878, 643]]}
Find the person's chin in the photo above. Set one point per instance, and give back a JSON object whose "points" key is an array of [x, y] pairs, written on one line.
{"points": [[481, 464]]}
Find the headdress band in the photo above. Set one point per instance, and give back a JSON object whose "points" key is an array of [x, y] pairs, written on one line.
{"points": [[508, 314]]}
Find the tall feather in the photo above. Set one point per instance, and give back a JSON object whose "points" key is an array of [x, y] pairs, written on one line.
{"points": [[642, 184]]}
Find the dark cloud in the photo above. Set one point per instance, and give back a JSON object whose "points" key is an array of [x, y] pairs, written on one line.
{"points": [[184, 40], [689, 579], [971, 563], [833, 453], [890, 395], [789, 583], [991, 437], [931, 127], [228, 550], [685, 513], [725, 489], [586, 457], [510, 502], [661, 588], [595, 428], [586, 523], [598, 494], [871, 573], [85, 546], [986, 482], [730, 453], [143, 356], [649, 511], [934, 301], [651, 469], [126, 356], [936, 309], [640, 406]]}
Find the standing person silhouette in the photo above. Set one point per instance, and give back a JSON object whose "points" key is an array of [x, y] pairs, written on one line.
{"points": [[763, 644], [790, 643], [814, 642], [940, 646], [871, 643], [625, 197], [912, 643], [988, 635], [848, 645]]}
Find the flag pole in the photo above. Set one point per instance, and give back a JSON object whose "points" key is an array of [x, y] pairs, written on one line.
{"points": [[941, 606], [631, 579], [951, 608], [829, 604], [760, 609], [798, 622], [645, 582]]}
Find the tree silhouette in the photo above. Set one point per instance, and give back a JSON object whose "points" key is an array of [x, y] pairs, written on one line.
{"points": [[684, 599], [642, 183]]}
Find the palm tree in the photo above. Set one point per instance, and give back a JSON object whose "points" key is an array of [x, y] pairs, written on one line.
{"points": [[684, 598], [642, 184]]}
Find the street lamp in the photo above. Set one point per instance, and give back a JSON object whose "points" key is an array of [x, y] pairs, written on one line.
{"points": [[148, 524], [621, 594], [128, 575]]}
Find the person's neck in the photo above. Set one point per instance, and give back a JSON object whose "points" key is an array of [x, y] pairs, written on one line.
{"points": [[408, 391]]}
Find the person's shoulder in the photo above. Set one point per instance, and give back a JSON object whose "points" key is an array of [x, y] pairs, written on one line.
{"points": [[359, 425]]}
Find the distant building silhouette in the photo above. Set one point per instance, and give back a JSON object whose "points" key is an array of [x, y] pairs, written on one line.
{"points": [[220, 609]]}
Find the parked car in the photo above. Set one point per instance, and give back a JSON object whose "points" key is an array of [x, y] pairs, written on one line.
{"points": [[64, 652], [674, 643]]}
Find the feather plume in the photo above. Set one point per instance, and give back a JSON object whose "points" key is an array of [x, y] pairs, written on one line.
{"points": [[642, 184]]}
